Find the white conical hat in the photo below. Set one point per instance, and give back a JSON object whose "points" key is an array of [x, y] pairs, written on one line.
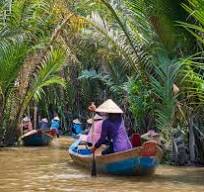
{"points": [[109, 107], [76, 121], [44, 120], [96, 117], [26, 119], [56, 118]]}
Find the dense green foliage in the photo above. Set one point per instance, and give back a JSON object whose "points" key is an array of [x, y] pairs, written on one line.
{"points": [[136, 52]]}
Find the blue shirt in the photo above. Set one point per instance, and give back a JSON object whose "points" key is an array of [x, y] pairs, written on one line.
{"points": [[55, 124], [76, 129]]}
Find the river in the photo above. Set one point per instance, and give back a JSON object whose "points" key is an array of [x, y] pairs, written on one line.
{"points": [[50, 169]]}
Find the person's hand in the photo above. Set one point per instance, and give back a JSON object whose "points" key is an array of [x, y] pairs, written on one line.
{"points": [[93, 149], [92, 107]]}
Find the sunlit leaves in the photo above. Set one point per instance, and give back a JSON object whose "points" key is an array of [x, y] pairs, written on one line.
{"points": [[47, 74]]}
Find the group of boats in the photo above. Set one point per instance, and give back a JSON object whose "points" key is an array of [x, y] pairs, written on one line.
{"points": [[141, 160]]}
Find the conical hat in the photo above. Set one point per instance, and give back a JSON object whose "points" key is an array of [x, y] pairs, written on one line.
{"points": [[26, 119], [150, 134], [96, 117], [44, 120], [56, 118], [109, 107], [76, 121]]}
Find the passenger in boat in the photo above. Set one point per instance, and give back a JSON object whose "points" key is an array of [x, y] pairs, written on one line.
{"points": [[94, 132], [153, 135], [43, 124], [88, 127], [27, 125], [55, 125], [76, 127], [113, 129]]}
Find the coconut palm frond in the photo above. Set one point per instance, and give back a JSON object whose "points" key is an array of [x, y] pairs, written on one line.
{"points": [[10, 66], [195, 9], [193, 81], [47, 74], [117, 39], [165, 74]]}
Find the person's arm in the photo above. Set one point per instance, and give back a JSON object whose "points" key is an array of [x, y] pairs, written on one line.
{"points": [[104, 134]]}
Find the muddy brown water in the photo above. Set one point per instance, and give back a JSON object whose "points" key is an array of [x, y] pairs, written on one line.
{"points": [[50, 169]]}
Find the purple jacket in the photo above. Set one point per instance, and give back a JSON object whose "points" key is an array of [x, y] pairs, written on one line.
{"points": [[114, 129]]}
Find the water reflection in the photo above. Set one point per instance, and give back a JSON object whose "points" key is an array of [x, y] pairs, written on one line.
{"points": [[50, 169]]}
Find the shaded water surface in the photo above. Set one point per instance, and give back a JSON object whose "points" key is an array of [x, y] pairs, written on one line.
{"points": [[50, 169]]}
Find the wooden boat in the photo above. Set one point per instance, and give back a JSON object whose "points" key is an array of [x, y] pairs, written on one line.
{"points": [[36, 138], [137, 161]]}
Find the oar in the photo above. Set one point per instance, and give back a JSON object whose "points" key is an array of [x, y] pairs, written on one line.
{"points": [[93, 167]]}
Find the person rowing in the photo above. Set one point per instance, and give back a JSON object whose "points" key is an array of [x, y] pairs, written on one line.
{"points": [[113, 129]]}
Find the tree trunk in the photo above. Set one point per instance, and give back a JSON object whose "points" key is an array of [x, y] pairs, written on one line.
{"points": [[191, 140], [35, 116]]}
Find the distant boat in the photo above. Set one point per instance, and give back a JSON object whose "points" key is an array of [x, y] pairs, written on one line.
{"points": [[137, 161], [36, 138]]}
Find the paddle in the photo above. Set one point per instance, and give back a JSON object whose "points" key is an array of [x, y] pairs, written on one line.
{"points": [[93, 167]]}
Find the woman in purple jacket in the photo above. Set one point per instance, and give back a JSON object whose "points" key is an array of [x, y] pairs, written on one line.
{"points": [[113, 129]]}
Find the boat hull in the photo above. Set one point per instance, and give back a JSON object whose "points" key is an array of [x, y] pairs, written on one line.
{"points": [[137, 161], [37, 138]]}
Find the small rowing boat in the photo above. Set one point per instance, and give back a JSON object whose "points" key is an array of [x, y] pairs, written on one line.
{"points": [[136, 161], [36, 138]]}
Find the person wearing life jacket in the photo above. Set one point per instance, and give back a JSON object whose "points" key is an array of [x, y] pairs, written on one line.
{"points": [[113, 129]]}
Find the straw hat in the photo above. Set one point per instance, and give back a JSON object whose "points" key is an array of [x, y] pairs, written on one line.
{"points": [[26, 119], [56, 118], [96, 117], [150, 134], [76, 121], [44, 120], [109, 107]]}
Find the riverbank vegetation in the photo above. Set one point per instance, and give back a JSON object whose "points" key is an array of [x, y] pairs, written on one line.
{"points": [[60, 55]]}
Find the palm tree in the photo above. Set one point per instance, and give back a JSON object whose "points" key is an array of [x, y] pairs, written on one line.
{"points": [[141, 30], [35, 29], [195, 26]]}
